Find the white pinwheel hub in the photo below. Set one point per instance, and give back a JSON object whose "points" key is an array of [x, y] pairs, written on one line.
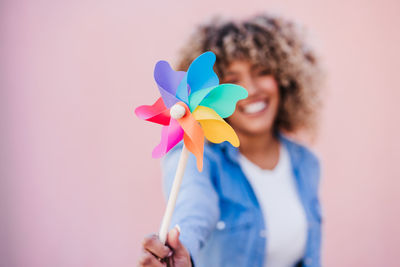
{"points": [[177, 111]]}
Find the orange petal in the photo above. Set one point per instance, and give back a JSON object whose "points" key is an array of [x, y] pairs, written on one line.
{"points": [[193, 137]]}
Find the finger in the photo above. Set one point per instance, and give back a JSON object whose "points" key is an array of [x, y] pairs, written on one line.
{"points": [[153, 244], [149, 260], [174, 242]]}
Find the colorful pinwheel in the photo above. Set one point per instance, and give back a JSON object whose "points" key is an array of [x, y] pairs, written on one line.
{"points": [[192, 106]]}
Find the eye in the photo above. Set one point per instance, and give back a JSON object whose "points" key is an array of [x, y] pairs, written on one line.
{"points": [[231, 79], [263, 72]]}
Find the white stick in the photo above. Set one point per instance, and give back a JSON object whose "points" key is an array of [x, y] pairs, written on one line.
{"points": [[173, 195]]}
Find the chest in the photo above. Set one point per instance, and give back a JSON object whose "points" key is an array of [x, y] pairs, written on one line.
{"points": [[240, 205]]}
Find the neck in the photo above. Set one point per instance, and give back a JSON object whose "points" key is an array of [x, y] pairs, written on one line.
{"points": [[262, 150]]}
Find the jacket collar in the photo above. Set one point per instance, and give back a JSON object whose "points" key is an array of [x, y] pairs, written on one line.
{"points": [[293, 148]]}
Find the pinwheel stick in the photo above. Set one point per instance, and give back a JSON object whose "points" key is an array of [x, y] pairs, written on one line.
{"points": [[177, 112]]}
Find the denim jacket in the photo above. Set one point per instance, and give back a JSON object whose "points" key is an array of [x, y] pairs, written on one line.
{"points": [[219, 215]]}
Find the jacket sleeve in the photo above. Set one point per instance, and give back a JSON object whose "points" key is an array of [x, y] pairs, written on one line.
{"points": [[197, 206], [314, 178]]}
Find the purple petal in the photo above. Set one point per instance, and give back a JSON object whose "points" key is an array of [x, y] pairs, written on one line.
{"points": [[168, 81]]}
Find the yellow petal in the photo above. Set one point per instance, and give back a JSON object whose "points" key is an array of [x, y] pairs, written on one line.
{"points": [[215, 129]]}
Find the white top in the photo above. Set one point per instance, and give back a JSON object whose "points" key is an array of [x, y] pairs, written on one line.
{"points": [[284, 215]]}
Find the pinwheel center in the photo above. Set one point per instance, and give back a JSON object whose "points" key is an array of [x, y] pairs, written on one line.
{"points": [[177, 111]]}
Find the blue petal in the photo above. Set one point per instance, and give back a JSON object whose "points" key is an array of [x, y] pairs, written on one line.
{"points": [[200, 74], [183, 91]]}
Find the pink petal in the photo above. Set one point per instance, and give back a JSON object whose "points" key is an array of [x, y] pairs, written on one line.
{"points": [[157, 113], [170, 136]]}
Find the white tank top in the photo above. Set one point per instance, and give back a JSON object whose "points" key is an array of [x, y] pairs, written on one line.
{"points": [[283, 212]]}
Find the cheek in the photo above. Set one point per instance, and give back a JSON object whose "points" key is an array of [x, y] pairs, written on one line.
{"points": [[235, 120], [268, 85], [275, 99], [272, 90]]}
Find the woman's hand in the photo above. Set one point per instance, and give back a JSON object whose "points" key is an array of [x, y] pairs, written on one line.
{"points": [[156, 254]]}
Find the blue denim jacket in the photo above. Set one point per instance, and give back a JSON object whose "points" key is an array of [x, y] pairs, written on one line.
{"points": [[217, 210]]}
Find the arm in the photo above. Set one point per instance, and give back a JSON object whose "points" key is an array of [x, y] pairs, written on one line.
{"points": [[197, 209]]}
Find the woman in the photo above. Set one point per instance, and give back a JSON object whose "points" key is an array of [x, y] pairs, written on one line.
{"points": [[256, 205]]}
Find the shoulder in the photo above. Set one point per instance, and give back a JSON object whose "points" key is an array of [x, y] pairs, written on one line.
{"points": [[211, 154], [303, 158], [300, 152], [192, 176]]}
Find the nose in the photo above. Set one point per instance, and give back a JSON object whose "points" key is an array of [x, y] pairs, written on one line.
{"points": [[250, 86]]}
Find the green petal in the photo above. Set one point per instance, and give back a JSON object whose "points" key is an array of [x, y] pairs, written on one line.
{"points": [[196, 97], [223, 98]]}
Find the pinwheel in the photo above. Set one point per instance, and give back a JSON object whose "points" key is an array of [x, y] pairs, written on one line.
{"points": [[192, 106]]}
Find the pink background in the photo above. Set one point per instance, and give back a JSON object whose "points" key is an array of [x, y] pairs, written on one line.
{"points": [[78, 186]]}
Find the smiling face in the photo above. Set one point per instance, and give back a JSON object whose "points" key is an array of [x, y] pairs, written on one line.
{"points": [[256, 114]]}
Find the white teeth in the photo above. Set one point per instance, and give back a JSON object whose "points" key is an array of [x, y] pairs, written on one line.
{"points": [[255, 107]]}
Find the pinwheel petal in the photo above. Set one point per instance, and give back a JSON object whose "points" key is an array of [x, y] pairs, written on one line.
{"points": [[183, 91], [201, 74], [170, 136], [157, 113], [193, 137], [223, 98], [198, 96], [215, 129], [168, 81]]}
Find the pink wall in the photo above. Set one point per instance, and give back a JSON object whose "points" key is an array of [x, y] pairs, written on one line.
{"points": [[78, 185]]}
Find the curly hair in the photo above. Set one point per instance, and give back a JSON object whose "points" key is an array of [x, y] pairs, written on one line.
{"points": [[272, 43]]}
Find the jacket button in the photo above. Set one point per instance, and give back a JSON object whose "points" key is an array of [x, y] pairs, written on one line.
{"points": [[263, 233], [221, 225]]}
